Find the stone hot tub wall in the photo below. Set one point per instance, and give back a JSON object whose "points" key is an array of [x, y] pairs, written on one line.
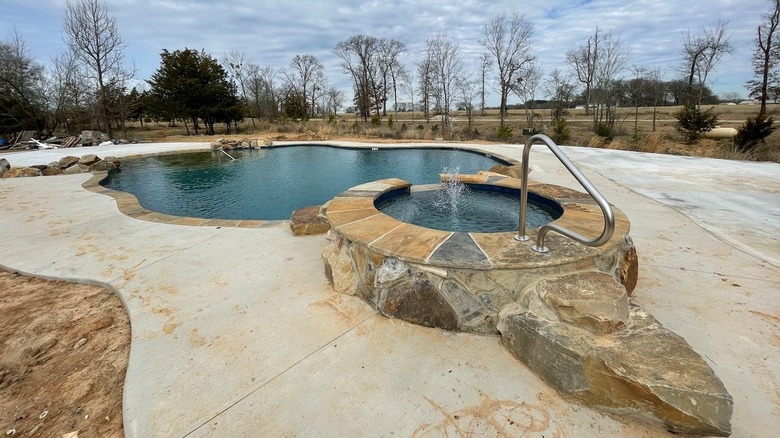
{"points": [[566, 314], [454, 280]]}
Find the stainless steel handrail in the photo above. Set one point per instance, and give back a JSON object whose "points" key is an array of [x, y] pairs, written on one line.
{"points": [[606, 209]]}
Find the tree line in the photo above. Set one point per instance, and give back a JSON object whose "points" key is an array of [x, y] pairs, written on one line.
{"points": [[88, 85]]}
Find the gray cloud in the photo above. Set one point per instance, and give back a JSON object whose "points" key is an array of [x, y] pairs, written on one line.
{"points": [[272, 32]]}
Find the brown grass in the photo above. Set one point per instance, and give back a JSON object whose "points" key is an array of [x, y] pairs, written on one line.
{"points": [[408, 127]]}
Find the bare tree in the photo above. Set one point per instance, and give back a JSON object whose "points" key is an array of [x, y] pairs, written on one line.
{"points": [[389, 66], [657, 89], [238, 66], [93, 37], [307, 77], [262, 91], [610, 61], [700, 55], [446, 66], [358, 56], [335, 100], [583, 61], [69, 96], [638, 91], [407, 85], [485, 62], [559, 89], [526, 87], [766, 58], [425, 76], [467, 91], [508, 40]]}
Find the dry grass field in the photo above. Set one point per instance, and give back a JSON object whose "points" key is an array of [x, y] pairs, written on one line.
{"points": [[407, 126]]}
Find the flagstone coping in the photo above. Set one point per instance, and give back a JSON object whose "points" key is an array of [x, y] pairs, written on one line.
{"points": [[353, 215]]}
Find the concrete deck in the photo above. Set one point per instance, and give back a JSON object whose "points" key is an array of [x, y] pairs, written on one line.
{"points": [[235, 331]]}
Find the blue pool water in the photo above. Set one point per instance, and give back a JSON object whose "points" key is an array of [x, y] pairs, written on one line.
{"points": [[469, 209], [269, 184]]}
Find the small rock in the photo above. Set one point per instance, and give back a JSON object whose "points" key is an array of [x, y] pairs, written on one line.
{"points": [[628, 265], [80, 343], [74, 434]]}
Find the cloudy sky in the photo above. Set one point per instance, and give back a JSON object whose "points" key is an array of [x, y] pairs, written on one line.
{"points": [[270, 33]]}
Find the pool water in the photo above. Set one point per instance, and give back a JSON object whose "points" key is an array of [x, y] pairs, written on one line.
{"points": [[472, 210], [269, 184]]}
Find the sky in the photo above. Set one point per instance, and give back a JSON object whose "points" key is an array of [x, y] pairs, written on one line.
{"points": [[271, 33]]}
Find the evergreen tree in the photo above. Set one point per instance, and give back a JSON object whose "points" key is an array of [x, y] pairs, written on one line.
{"points": [[192, 85]]}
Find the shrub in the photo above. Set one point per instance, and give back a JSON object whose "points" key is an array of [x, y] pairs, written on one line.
{"points": [[604, 131], [753, 132], [376, 121], [692, 122], [504, 133], [562, 131], [332, 120], [390, 121]]}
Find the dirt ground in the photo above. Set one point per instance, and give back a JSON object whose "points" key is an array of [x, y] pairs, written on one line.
{"points": [[65, 348]]}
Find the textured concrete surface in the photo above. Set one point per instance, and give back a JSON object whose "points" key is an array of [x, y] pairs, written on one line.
{"points": [[235, 332]]}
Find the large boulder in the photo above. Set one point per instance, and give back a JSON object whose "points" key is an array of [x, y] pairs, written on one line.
{"points": [[51, 171], [591, 300], [68, 161], [78, 168], [89, 159], [409, 294], [643, 369], [21, 172], [515, 171]]}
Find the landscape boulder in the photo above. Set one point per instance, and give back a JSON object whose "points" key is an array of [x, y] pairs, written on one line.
{"points": [[640, 369], [89, 159], [68, 161], [73, 170], [21, 172]]}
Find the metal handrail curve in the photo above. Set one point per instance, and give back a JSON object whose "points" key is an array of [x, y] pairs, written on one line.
{"points": [[606, 209]]}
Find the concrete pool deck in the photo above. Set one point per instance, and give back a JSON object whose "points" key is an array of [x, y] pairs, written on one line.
{"points": [[235, 331]]}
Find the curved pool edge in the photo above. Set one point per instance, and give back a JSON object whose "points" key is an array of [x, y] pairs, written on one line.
{"points": [[128, 204]]}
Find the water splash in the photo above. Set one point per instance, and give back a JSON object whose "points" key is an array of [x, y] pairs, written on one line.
{"points": [[452, 195]]}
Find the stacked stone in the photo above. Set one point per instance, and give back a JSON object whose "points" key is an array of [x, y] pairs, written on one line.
{"points": [[65, 166], [229, 145]]}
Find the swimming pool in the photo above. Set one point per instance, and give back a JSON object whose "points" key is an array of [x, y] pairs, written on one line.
{"points": [[270, 183]]}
